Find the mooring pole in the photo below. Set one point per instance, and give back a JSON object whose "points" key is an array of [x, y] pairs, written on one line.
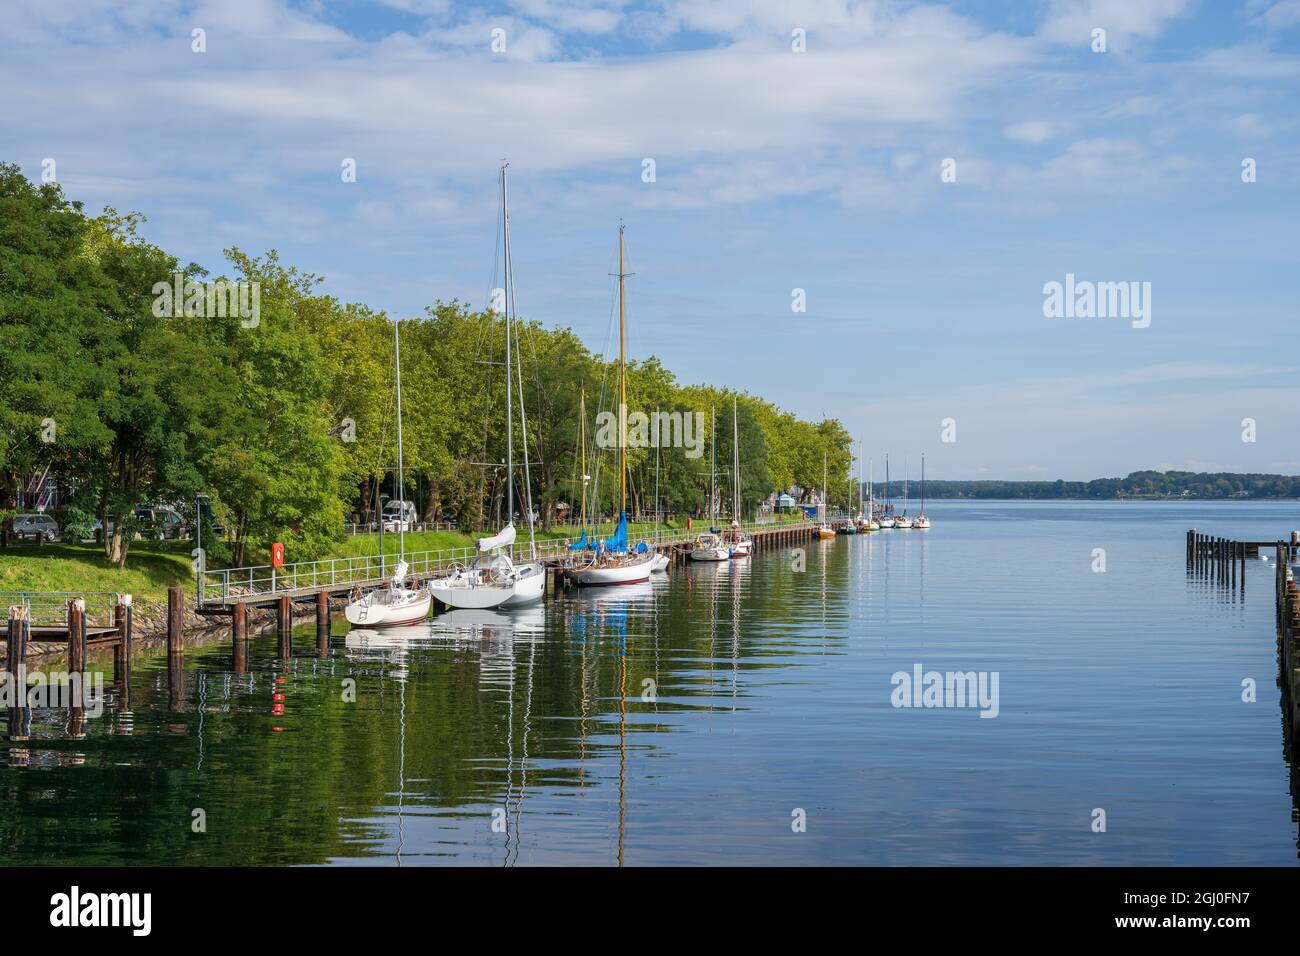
{"points": [[284, 628], [322, 625]]}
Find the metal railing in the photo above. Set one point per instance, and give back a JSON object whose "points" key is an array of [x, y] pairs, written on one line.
{"points": [[50, 608], [219, 587]]}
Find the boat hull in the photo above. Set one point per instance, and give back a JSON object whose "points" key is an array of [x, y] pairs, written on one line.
{"points": [[612, 574], [372, 613], [710, 554], [530, 586]]}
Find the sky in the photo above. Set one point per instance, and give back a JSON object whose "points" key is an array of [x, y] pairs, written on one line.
{"points": [[920, 170]]}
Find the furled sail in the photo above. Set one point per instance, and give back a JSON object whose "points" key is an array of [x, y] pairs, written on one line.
{"points": [[503, 539]]}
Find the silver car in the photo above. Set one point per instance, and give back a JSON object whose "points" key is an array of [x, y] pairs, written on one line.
{"points": [[32, 526]]}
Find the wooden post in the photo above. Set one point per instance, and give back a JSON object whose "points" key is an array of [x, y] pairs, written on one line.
{"points": [[175, 620], [238, 640], [322, 625], [16, 654], [284, 628], [76, 636]]}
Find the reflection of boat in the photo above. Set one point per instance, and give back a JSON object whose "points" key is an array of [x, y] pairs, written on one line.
{"points": [[369, 639], [489, 624], [500, 582]]}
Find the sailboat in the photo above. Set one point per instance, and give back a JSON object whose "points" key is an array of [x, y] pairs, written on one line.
{"points": [[922, 522], [612, 561], [710, 546], [493, 579], [661, 560], [887, 509], [825, 530], [903, 521], [737, 541], [394, 605], [873, 522]]}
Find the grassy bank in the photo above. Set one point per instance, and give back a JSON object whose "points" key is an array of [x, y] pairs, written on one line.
{"points": [[149, 572]]}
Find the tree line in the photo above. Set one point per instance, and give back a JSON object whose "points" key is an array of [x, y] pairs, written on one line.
{"points": [[132, 393], [1138, 484]]}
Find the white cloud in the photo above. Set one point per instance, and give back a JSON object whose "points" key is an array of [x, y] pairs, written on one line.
{"points": [[1031, 131], [1071, 22]]}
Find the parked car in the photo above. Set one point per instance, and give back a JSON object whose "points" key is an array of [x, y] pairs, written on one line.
{"points": [[35, 525], [159, 523]]}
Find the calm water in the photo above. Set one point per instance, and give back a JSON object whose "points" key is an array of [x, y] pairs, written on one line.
{"points": [[1118, 690]]}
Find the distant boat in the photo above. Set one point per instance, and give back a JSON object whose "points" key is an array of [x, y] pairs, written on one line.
{"points": [[395, 605], [825, 530], [903, 521], [737, 541], [922, 522]]}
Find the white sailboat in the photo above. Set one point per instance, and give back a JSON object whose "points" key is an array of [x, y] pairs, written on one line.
{"points": [[922, 522], [394, 605], [825, 530], [613, 562], [493, 579], [738, 543], [873, 522], [710, 546], [660, 562], [887, 509]]}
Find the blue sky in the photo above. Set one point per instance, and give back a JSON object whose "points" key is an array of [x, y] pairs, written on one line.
{"points": [[775, 170]]}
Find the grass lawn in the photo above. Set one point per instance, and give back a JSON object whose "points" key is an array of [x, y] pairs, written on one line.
{"points": [[83, 567]]}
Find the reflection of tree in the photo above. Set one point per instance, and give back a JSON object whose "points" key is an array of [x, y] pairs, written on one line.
{"points": [[478, 717]]}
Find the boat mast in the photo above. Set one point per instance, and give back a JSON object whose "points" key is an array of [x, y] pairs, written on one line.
{"points": [[582, 445], [658, 422], [889, 498], [519, 384], [922, 511], [401, 491], [735, 468], [713, 464], [505, 305], [622, 383]]}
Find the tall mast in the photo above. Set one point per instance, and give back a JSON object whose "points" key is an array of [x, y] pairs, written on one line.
{"points": [[519, 385], [713, 464], [922, 483], [622, 383], [510, 419], [889, 498], [826, 504], [401, 490], [859, 477], [582, 444], [735, 464], [658, 422]]}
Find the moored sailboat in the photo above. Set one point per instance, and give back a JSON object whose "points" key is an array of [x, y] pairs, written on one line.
{"points": [[394, 605], [493, 579], [612, 561]]}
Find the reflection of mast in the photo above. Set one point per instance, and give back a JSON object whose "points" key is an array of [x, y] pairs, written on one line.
{"points": [[622, 747], [401, 768]]}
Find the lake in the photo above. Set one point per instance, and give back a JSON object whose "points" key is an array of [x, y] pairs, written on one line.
{"points": [[740, 713]]}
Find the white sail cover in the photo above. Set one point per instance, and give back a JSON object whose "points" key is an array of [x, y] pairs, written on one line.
{"points": [[399, 573], [502, 539]]}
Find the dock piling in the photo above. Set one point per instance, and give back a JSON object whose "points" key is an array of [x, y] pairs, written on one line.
{"points": [[322, 625]]}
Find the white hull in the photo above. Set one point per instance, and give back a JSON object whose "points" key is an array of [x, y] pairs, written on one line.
{"points": [[660, 563], [602, 575], [902, 522], [922, 524], [384, 608], [742, 549], [530, 586], [710, 554]]}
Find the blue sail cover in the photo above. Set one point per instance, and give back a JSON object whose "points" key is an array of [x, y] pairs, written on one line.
{"points": [[618, 542], [581, 543]]}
